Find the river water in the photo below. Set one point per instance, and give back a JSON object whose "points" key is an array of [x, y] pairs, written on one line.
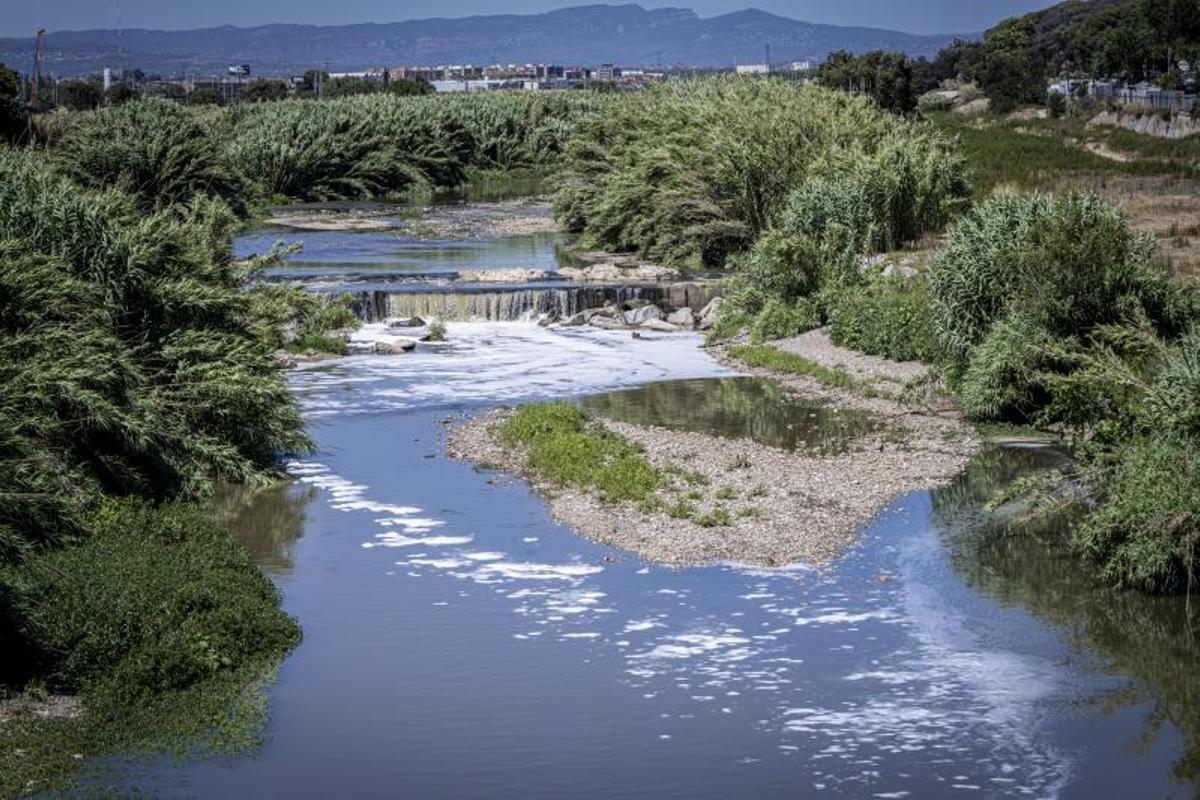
{"points": [[459, 643]]}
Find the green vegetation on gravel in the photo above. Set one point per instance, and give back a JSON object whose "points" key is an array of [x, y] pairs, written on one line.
{"points": [[768, 357], [565, 446]]}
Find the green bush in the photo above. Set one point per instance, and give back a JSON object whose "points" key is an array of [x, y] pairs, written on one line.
{"points": [[1146, 531], [290, 317], [692, 172], [887, 317], [1070, 263], [911, 183], [318, 151], [129, 363], [1005, 378], [385, 145], [153, 600], [779, 319], [155, 150], [1173, 402], [934, 102], [780, 266]]}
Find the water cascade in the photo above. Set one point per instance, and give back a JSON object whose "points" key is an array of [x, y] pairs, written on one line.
{"points": [[498, 305]]}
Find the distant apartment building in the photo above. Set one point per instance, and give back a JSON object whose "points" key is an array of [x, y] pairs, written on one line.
{"points": [[752, 69]]}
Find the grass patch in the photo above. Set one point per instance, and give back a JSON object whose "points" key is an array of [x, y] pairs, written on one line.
{"points": [[565, 446], [772, 358], [718, 517], [681, 509], [163, 627], [726, 492], [1040, 153]]}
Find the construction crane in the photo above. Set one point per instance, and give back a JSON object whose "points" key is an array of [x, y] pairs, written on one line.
{"points": [[39, 55]]}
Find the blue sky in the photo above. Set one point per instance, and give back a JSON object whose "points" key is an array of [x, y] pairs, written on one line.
{"points": [[918, 16]]}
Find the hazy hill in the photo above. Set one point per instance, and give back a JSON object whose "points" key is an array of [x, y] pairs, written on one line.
{"points": [[626, 34]]}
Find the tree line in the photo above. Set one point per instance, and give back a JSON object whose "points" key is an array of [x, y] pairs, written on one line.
{"points": [[1127, 40]]}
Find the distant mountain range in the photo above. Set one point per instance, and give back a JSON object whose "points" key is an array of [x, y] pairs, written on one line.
{"points": [[626, 35]]}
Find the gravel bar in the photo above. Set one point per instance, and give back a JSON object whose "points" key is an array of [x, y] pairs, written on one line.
{"points": [[785, 507]]}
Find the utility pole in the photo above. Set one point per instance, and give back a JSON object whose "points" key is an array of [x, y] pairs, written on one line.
{"points": [[39, 44]]}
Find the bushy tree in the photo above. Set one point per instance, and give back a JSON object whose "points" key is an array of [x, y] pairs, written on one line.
{"points": [[262, 90], [80, 95], [131, 364], [887, 78], [154, 149]]}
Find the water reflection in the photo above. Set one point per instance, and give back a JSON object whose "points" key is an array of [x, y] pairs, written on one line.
{"points": [[752, 408], [352, 258], [1146, 639], [268, 521]]}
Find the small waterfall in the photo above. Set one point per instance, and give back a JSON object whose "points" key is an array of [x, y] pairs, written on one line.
{"points": [[498, 305]]}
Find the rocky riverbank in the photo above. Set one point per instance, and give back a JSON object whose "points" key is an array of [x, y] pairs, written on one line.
{"points": [[749, 502]]}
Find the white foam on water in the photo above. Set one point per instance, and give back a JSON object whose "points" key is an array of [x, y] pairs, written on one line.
{"points": [[438, 563], [641, 625], [521, 571], [390, 539], [691, 644], [497, 362], [485, 556]]}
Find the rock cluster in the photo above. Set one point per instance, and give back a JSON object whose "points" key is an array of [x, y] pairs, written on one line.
{"points": [[641, 315]]}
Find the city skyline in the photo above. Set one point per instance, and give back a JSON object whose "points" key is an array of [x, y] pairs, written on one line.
{"points": [[937, 16]]}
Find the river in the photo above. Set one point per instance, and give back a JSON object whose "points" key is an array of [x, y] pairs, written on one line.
{"points": [[460, 643]]}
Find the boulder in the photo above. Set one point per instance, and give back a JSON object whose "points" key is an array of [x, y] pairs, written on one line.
{"points": [[641, 315], [410, 322], [576, 319], [604, 311], [608, 323], [684, 318], [659, 325], [395, 348], [708, 314]]}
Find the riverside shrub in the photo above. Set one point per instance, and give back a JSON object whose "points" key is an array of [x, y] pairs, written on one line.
{"points": [[779, 319], [888, 317], [154, 600], [155, 150], [1071, 263], [130, 360], [692, 172], [1145, 533], [1005, 379]]}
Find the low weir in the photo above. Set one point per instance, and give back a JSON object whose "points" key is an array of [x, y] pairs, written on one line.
{"points": [[520, 302]]}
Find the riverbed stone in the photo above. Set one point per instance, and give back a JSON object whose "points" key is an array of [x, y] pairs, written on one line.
{"points": [[708, 315], [660, 325], [683, 317], [639, 316], [607, 323], [575, 320], [407, 322], [395, 348]]}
